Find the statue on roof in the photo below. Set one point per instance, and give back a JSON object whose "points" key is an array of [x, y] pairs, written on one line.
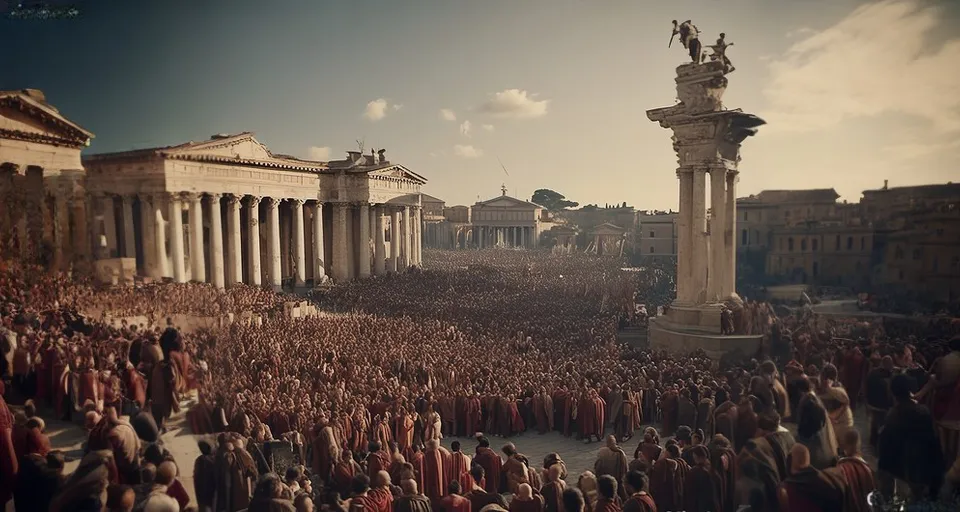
{"points": [[720, 53], [690, 37]]}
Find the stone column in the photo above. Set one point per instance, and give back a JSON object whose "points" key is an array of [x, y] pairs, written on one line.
{"points": [[701, 258], [81, 235], [61, 231], [340, 253], [418, 241], [216, 242], [198, 271], [175, 209], [379, 243], [299, 244], [319, 271], [730, 236], [147, 228], [253, 240], [395, 238], [406, 245], [685, 237], [718, 219], [364, 248], [273, 231], [235, 251], [163, 266], [129, 242]]}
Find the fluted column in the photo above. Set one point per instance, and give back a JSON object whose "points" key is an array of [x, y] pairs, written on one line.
{"points": [[253, 240], [273, 231], [395, 238], [198, 271], [148, 223], [380, 243], [175, 212], [234, 269], [685, 238], [161, 262], [129, 249], [417, 236], [299, 243], [216, 242], [340, 253], [364, 249], [718, 219], [319, 271], [405, 260], [730, 236]]}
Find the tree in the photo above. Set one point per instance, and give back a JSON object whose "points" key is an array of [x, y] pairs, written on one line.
{"points": [[553, 201]]}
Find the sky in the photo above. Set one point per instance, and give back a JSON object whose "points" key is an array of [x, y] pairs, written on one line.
{"points": [[854, 92]]}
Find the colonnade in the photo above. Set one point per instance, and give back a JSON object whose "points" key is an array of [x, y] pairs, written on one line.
{"points": [[234, 238], [505, 236]]}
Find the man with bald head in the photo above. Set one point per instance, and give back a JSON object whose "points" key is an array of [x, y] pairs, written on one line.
{"points": [[158, 499], [411, 500], [808, 489], [526, 501]]}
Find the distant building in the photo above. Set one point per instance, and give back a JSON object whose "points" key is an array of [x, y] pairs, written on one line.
{"points": [[657, 234], [502, 221]]}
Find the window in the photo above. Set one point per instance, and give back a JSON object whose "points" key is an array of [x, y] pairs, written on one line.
{"points": [[803, 245], [651, 249], [790, 244], [745, 216], [849, 243], [653, 234], [813, 245], [744, 237], [838, 243]]}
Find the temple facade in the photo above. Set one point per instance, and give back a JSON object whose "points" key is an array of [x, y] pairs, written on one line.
{"points": [[225, 210]]}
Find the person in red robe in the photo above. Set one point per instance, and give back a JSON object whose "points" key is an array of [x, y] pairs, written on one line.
{"points": [[433, 471], [667, 479], [607, 498], [854, 373], [345, 471], [8, 459], [638, 499], [453, 501], [325, 451], [703, 485], [856, 472], [491, 463], [403, 433], [669, 405], [460, 466], [416, 460], [377, 460], [472, 415], [591, 414]]}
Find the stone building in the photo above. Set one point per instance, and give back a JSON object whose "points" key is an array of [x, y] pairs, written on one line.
{"points": [[225, 210], [434, 228], [502, 221], [823, 254], [657, 234]]}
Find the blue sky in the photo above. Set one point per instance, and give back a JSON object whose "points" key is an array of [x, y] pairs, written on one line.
{"points": [[854, 92]]}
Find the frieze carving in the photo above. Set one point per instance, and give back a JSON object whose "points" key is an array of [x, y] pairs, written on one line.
{"points": [[244, 174]]}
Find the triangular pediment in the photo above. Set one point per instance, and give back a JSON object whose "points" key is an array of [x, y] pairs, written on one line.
{"points": [[398, 172], [23, 113], [242, 146], [507, 202], [608, 229]]}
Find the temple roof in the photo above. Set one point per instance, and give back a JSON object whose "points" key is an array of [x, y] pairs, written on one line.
{"points": [[815, 195], [33, 103], [505, 201]]}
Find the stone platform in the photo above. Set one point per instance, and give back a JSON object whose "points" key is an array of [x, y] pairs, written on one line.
{"points": [[666, 335]]}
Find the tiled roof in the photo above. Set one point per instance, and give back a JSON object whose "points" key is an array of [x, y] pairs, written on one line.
{"points": [[814, 195]]}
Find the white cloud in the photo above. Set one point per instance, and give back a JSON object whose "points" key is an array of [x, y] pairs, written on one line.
{"points": [[467, 151], [377, 109], [802, 31], [319, 153], [858, 68], [515, 103], [448, 115], [488, 127], [397, 106], [465, 128]]}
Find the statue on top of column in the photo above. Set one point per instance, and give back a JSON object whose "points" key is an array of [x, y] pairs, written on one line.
{"points": [[690, 37], [720, 53]]}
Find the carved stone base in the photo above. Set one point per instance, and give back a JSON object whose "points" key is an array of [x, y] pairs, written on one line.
{"points": [[703, 318], [664, 335]]}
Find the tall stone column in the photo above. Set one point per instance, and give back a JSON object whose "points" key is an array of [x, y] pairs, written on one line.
{"points": [[700, 233], [395, 238], [716, 277], [61, 231], [253, 239], [685, 256], [216, 242], [198, 271], [730, 236], [273, 231], [418, 240], [148, 223], [129, 242], [163, 263], [405, 244], [176, 238], [320, 270], [379, 243], [81, 234], [340, 253], [299, 243], [234, 254], [364, 249]]}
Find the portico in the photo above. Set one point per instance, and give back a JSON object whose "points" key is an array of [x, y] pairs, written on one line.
{"points": [[505, 221]]}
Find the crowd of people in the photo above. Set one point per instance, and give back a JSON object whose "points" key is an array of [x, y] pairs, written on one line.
{"points": [[481, 343]]}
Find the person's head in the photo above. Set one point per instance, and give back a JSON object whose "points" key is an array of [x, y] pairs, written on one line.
{"points": [[382, 479], [555, 472], [684, 435], [56, 460], [373, 447], [477, 472], [524, 491], [901, 387], [509, 449], [673, 451], [587, 482], [829, 372], [148, 473], [455, 446], [454, 487], [154, 454], [484, 442], [799, 458], [268, 487], [700, 455], [572, 500], [611, 442], [205, 447], [292, 474], [850, 443], [166, 473], [886, 362], [769, 421], [29, 409], [120, 498], [607, 486], [409, 487], [303, 503], [360, 484], [635, 481]]}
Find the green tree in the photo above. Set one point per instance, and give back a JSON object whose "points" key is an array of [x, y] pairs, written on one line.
{"points": [[551, 200]]}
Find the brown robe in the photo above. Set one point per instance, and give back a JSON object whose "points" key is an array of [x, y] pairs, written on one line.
{"points": [[702, 490], [433, 484], [515, 470], [492, 464], [860, 482], [667, 483], [163, 392]]}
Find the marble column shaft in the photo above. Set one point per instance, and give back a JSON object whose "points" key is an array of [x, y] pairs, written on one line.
{"points": [[234, 254], [253, 240], [176, 238], [340, 252], [685, 237], [197, 269], [364, 248], [61, 231], [163, 264], [700, 253], [718, 219], [319, 263], [730, 236], [299, 243], [273, 231], [395, 238], [216, 242], [405, 250], [129, 242], [147, 228], [379, 243]]}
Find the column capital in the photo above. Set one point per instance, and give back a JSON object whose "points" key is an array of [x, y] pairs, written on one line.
{"points": [[215, 196], [253, 201], [193, 197], [173, 196], [273, 202], [145, 197], [296, 202], [235, 200]]}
